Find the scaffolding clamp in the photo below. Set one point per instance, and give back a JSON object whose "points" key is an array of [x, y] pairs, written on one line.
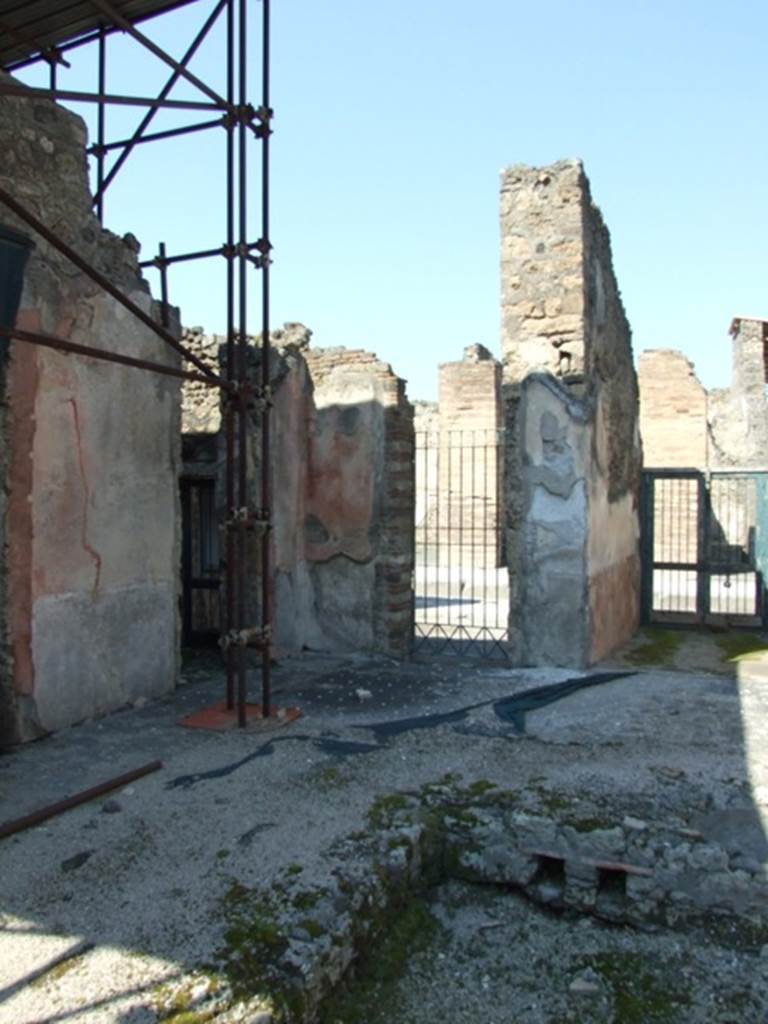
{"points": [[264, 116], [257, 399], [262, 398], [256, 519], [252, 636]]}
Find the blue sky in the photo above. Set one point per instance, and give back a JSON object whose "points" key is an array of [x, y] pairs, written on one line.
{"points": [[392, 124]]}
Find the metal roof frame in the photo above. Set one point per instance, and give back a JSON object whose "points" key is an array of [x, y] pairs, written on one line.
{"points": [[33, 30]]}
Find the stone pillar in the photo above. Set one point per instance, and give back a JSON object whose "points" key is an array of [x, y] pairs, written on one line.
{"points": [[468, 464], [571, 413]]}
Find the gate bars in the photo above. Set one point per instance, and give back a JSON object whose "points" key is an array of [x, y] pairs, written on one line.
{"points": [[241, 397]]}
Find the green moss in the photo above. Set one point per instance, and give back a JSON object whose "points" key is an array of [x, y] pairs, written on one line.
{"points": [[480, 787], [657, 647], [312, 927], [253, 945], [639, 996], [371, 996], [294, 869], [56, 972], [190, 1017], [173, 1004], [329, 776], [384, 808], [735, 647], [551, 802], [306, 900]]}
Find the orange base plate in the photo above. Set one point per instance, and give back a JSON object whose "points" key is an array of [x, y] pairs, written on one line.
{"points": [[221, 718]]}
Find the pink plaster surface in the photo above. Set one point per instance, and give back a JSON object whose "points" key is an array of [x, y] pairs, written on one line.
{"points": [[341, 486]]}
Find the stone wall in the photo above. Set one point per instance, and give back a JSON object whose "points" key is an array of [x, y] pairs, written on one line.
{"points": [[200, 404], [738, 416], [343, 492], [570, 398], [684, 426], [91, 528], [468, 462], [361, 500], [673, 411]]}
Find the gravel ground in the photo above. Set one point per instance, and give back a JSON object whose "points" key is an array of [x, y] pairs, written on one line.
{"points": [[132, 884]]}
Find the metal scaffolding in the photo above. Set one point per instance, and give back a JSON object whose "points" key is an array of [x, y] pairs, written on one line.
{"points": [[46, 34]]}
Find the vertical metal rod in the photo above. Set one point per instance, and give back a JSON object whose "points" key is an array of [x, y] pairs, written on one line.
{"points": [[451, 528], [266, 500], [439, 515], [101, 125], [485, 506], [242, 364], [499, 453], [52, 76], [163, 285], [230, 372], [462, 513]]}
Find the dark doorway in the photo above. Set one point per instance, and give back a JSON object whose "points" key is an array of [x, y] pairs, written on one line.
{"points": [[200, 563]]}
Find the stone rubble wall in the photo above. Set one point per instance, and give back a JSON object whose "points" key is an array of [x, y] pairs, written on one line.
{"points": [[683, 426], [570, 406], [200, 404], [92, 540], [467, 500], [738, 416], [614, 867]]}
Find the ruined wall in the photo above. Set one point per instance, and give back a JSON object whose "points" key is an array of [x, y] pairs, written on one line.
{"points": [[359, 526], [570, 407], [468, 463], [200, 404], [673, 411], [684, 426], [91, 553], [426, 425], [343, 491], [738, 416]]}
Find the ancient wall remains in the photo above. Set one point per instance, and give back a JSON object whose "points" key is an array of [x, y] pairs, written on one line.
{"points": [[343, 491], [92, 541], [738, 416], [570, 406], [673, 411], [684, 426], [468, 461]]}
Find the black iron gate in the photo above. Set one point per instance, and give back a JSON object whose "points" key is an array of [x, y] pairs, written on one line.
{"points": [[705, 547], [462, 588]]}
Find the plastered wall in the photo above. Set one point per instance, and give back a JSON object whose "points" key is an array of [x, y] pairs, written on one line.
{"points": [[91, 525]]}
